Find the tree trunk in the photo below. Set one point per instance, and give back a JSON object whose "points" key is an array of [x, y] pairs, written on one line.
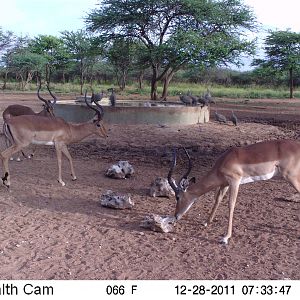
{"points": [[154, 82], [140, 79], [81, 77], [63, 77], [291, 83], [5, 80], [167, 80]]}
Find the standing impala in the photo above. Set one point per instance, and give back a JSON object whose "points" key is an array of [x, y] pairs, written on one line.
{"points": [[40, 130], [238, 165], [20, 110]]}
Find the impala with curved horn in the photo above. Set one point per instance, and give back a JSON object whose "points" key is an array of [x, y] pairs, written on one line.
{"points": [[20, 110], [238, 165], [40, 130]]}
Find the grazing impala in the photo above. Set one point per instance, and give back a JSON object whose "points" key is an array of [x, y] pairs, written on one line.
{"points": [[20, 110], [238, 165], [40, 130]]}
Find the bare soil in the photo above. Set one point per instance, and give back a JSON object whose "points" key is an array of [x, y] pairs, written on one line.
{"points": [[54, 232]]}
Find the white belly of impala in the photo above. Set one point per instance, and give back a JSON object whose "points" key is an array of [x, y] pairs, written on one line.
{"points": [[35, 142], [259, 177]]}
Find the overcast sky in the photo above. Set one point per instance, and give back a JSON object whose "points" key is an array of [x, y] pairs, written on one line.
{"points": [[34, 17], [50, 17]]}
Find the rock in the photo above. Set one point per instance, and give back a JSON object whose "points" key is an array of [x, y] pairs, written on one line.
{"points": [[159, 223], [160, 188], [121, 170], [114, 200]]}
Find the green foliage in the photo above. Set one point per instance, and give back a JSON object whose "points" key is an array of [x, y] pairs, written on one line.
{"points": [[282, 50], [6, 39], [176, 32]]}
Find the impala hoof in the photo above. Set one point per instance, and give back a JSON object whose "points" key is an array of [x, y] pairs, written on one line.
{"points": [[61, 182], [5, 180], [224, 241]]}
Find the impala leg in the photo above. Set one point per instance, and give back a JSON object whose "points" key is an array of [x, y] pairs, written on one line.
{"points": [[66, 152], [59, 157], [233, 192], [295, 182], [5, 156], [221, 192], [32, 152]]}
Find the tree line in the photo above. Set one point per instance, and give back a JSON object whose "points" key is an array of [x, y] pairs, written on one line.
{"points": [[155, 41]]}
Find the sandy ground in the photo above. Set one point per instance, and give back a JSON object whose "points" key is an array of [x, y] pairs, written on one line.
{"points": [[54, 232]]}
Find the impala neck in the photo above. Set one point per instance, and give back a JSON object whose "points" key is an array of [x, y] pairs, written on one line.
{"points": [[205, 184], [81, 131]]}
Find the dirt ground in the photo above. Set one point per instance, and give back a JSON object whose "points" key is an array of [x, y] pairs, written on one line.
{"points": [[54, 232]]}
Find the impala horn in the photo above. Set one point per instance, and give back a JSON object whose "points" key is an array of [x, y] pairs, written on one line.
{"points": [[38, 92], [53, 96], [171, 181], [98, 111], [183, 183]]}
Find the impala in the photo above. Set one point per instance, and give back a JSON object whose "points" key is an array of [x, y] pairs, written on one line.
{"points": [[19, 110], [238, 165], [40, 130]]}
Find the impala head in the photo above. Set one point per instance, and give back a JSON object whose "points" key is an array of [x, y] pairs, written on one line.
{"points": [[97, 120], [48, 106], [183, 199]]}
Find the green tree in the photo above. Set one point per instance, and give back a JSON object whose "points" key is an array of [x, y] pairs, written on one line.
{"points": [[16, 46], [83, 49], [26, 64], [282, 54], [176, 32], [6, 39], [53, 49], [121, 55]]}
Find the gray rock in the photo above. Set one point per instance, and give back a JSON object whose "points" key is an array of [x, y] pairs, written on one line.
{"points": [[160, 188], [159, 223], [121, 170], [114, 200]]}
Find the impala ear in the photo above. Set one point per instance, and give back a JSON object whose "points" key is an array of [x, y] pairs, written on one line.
{"points": [[185, 183]]}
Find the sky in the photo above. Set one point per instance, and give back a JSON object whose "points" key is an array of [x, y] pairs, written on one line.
{"points": [[46, 17], [34, 17], [50, 17]]}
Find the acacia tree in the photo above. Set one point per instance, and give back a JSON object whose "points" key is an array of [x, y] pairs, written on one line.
{"points": [[6, 41], [121, 54], [81, 48], [282, 51], [176, 32], [25, 65], [53, 49]]}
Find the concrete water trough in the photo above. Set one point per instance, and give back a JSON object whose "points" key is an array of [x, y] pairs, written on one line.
{"points": [[135, 112]]}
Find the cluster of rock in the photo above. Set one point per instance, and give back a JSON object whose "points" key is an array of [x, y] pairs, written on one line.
{"points": [[158, 188], [121, 170], [158, 223], [115, 200]]}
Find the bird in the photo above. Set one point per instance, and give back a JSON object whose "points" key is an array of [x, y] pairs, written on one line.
{"points": [[208, 98], [234, 118], [186, 99], [220, 118], [112, 97], [97, 97], [194, 98]]}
